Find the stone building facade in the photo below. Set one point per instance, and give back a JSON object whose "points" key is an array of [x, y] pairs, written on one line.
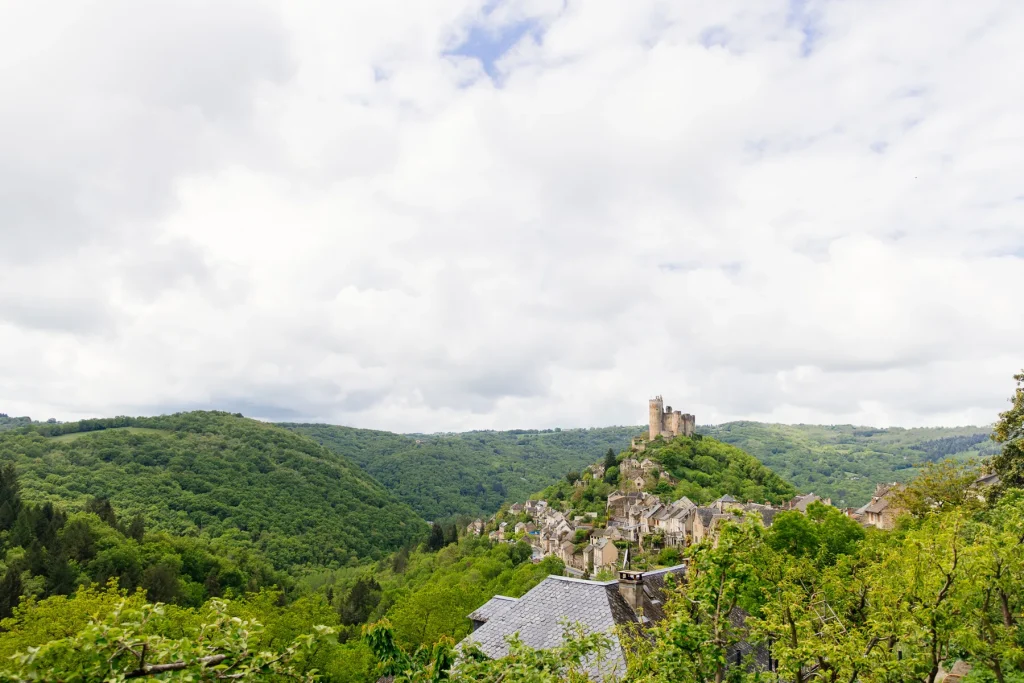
{"points": [[669, 423]]}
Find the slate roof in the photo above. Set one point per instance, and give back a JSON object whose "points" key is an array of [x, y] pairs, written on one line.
{"points": [[726, 499], [755, 656], [878, 506], [987, 480], [706, 515], [539, 617], [768, 516], [801, 502], [494, 607]]}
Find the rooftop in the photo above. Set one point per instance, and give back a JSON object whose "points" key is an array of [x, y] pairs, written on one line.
{"points": [[540, 617]]}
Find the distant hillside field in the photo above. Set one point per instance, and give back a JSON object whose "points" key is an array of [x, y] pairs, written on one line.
{"points": [[471, 473], [844, 461], [219, 475]]}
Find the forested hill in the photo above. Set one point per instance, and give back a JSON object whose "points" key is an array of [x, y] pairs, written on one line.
{"points": [[844, 461], [471, 473], [7, 422], [217, 475]]}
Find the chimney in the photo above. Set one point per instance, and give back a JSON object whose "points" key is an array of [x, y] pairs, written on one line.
{"points": [[631, 588]]}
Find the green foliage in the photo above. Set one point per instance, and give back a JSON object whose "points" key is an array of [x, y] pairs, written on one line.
{"points": [[47, 552], [843, 462], [693, 643], [708, 469], [470, 474], [7, 422], [436, 592], [216, 476], [134, 641], [823, 533], [1009, 431]]}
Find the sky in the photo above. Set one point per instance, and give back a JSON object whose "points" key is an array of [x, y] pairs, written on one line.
{"points": [[469, 214]]}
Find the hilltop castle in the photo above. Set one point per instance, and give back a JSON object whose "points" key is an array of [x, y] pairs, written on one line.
{"points": [[668, 423]]}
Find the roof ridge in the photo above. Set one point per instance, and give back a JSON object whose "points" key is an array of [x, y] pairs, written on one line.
{"points": [[587, 581]]}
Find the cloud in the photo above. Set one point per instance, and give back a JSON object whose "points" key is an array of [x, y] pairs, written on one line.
{"points": [[512, 213]]}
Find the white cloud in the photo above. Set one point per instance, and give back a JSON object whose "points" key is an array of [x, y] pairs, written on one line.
{"points": [[796, 212]]}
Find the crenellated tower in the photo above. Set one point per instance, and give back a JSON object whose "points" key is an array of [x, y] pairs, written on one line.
{"points": [[667, 422], [656, 410]]}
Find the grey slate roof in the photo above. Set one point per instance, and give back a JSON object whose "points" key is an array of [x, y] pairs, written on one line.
{"points": [[706, 514], [540, 616], [496, 606]]}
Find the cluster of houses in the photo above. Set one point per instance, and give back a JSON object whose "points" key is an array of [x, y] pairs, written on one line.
{"points": [[634, 517]]}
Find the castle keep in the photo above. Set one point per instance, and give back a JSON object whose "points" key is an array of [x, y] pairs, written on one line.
{"points": [[669, 423]]}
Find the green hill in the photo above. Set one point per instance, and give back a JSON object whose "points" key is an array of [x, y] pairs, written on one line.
{"points": [[701, 469], [471, 473], [219, 476], [7, 422], [844, 461]]}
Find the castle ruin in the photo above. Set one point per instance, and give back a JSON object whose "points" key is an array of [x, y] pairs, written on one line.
{"points": [[669, 423]]}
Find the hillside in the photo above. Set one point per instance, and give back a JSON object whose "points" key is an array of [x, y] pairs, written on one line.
{"points": [[218, 476], [472, 473], [7, 422], [844, 461], [701, 468]]}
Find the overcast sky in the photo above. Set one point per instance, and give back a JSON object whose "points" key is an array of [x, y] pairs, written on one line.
{"points": [[459, 214]]}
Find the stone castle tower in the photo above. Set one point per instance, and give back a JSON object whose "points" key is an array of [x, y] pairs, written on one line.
{"points": [[667, 422]]}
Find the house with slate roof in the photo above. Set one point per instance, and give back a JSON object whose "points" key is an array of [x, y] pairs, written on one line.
{"points": [[800, 503], [540, 617]]}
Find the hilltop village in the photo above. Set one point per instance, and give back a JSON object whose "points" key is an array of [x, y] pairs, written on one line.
{"points": [[638, 522]]}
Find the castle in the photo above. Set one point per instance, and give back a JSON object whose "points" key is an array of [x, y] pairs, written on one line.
{"points": [[669, 423]]}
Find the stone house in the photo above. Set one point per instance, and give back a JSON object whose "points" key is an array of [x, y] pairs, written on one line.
{"points": [[700, 523], [600, 554], [476, 527], [566, 550], [881, 512]]}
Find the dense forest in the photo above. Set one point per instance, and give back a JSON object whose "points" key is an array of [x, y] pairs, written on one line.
{"points": [[8, 422], [472, 473], [216, 476], [845, 462]]}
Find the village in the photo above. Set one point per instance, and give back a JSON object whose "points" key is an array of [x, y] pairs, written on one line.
{"points": [[637, 527]]}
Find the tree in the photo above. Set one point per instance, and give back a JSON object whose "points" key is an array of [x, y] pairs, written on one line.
{"points": [[611, 476], [693, 642], [10, 591], [1009, 431], [939, 485], [129, 643], [360, 602], [424, 665], [794, 533], [102, 508], [609, 460], [137, 528], [436, 539], [10, 499], [572, 477]]}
